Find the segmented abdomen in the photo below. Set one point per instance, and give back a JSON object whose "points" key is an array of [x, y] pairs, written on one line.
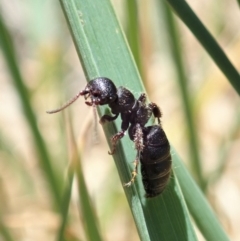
{"points": [[155, 161]]}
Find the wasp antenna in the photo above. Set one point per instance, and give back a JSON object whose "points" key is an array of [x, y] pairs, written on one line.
{"points": [[66, 105]]}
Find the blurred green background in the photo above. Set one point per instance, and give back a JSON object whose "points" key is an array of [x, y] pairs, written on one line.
{"points": [[52, 74]]}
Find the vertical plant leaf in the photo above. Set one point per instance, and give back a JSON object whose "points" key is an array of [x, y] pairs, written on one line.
{"points": [[7, 47], [132, 30], [224, 150], [198, 206], [175, 50], [66, 202], [87, 212], [186, 14], [103, 51], [4, 232]]}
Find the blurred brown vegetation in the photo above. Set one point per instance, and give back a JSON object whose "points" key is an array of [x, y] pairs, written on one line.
{"points": [[53, 74]]}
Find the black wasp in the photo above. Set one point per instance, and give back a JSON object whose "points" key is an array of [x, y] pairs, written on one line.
{"points": [[151, 143]]}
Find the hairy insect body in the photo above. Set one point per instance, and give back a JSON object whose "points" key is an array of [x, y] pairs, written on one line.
{"points": [[151, 143]]}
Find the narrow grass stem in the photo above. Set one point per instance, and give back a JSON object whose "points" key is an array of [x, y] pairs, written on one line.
{"points": [[173, 37], [186, 14], [43, 155]]}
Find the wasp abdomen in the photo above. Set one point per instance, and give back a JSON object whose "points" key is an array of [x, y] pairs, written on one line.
{"points": [[156, 161]]}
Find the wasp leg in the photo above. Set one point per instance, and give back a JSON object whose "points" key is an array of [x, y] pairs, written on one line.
{"points": [[114, 141], [107, 118], [120, 134], [138, 141], [156, 111], [142, 98], [134, 174]]}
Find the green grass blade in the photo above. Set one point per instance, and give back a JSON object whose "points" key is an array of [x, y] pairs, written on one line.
{"points": [[103, 52], [224, 150], [197, 204], [132, 30], [187, 15], [11, 62], [15, 160], [87, 212], [89, 218], [4, 232], [65, 203], [182, 79]]}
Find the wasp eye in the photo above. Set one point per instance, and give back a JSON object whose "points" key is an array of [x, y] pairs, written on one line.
{"points": [[95, 94]]}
